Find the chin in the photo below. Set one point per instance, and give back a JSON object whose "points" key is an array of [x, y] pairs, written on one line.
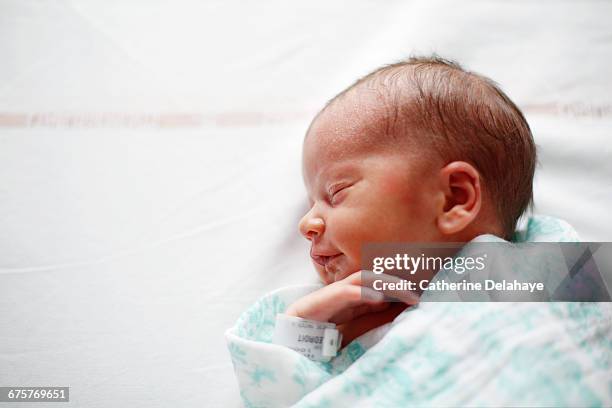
{"points": [[342, 267], [323, 274], [334, 271], [339, 273]]}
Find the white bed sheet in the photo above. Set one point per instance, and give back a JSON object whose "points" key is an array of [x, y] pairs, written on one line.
{"points": [[150, 179]]}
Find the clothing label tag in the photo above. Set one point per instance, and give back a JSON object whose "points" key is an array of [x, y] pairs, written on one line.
{"points": [[318, 341]]}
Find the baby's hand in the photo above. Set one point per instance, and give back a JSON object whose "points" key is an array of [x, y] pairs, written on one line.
{"points": [[352, 305], [339, 302]]}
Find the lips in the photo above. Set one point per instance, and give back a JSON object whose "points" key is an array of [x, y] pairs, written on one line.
{"points": [[322, 258]]}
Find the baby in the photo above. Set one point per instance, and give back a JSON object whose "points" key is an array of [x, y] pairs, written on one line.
{"points": [[418, 151]]}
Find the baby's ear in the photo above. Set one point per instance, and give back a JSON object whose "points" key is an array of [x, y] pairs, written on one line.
{"points": [[460, 182]]}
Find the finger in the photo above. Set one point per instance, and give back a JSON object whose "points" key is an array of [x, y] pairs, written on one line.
{"points": [[350, 314], [390, 286], [353, 279], [366, 279], [326, 302]]}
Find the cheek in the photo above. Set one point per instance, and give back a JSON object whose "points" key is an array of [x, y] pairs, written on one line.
{"points": [[413, 199], [361, 226], [389, 212], [349, 229], [392, 185], [406, 214]]}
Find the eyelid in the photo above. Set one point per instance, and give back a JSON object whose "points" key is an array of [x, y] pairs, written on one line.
{"points": [[336, 188]]}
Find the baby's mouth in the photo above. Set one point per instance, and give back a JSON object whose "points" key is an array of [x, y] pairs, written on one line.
{"points": [[323, 260]]}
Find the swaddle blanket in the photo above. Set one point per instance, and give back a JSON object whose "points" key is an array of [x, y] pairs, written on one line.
{"points": [[439, 353]]}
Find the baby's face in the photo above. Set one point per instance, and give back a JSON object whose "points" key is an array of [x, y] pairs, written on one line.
{"points": [[360, 191]]}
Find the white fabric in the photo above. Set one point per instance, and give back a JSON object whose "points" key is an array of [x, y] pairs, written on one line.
{"points": [[150, 164]]}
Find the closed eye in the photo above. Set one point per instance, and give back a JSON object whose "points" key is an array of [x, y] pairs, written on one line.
{"points": [[337, 193]]}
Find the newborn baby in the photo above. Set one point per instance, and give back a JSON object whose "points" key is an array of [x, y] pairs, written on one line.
{"points": [[417, 151]]}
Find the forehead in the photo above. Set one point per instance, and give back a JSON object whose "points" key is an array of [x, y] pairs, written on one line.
{"points": [[349, 127]]}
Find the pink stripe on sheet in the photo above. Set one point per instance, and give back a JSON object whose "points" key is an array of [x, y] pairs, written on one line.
{"points": [[171, 120]]}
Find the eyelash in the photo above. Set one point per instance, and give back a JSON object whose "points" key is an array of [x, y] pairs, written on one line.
{"points": [[334, 190]]}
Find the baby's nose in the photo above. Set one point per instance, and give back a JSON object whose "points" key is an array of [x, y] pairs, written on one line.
{"points": [[311, 227]]}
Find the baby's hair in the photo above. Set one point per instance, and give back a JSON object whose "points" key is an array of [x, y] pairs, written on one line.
{"points": [[462, 116]]}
